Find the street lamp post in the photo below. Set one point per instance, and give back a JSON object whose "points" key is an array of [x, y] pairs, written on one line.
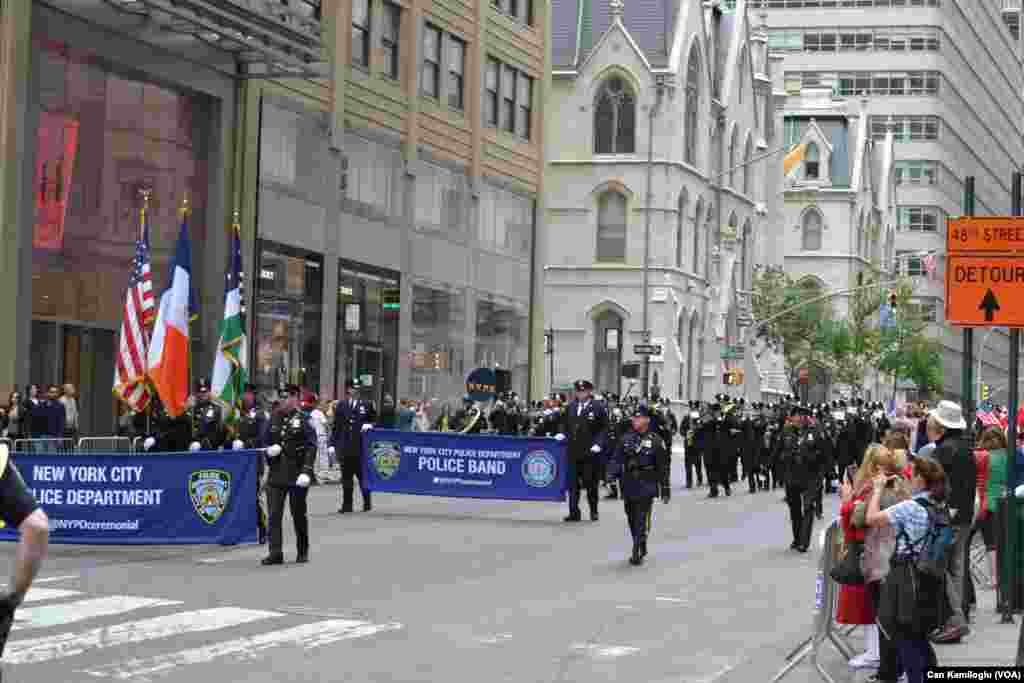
{"points": [[659, 93]]}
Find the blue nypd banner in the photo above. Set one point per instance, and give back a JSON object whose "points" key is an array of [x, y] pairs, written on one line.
{"points": [[144, 499], [464, 465]]}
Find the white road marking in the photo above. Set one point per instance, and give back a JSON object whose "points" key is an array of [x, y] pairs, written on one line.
{"points": [[55, 579], [94, 608], [718, 674], [606, 651], [307, 636], [665, 599], [44, 649], [494, 640], [40, 594]]}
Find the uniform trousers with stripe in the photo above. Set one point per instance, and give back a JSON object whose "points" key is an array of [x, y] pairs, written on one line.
{"points": [[638, 515]]}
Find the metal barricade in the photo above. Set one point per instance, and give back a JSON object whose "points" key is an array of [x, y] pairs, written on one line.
{"points": [[825, 599], [105, 444], [137, 444], [48, 446]]}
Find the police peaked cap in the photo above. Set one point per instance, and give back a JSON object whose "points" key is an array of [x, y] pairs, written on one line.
{"points": [[352, 384], [584, 385], [742, 401], [641, 410], [202, 385]]}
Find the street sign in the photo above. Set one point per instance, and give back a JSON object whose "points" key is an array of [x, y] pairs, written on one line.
{"points": [[734, 352], [985, 271], [647, 349], [986, 234]]}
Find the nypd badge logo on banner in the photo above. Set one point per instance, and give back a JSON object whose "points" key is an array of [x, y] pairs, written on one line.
{"points": [[386, 457], [209, 491], [539, 469]]}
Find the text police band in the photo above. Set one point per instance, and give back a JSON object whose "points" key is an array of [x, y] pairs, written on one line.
{"points": [[623, 444]]}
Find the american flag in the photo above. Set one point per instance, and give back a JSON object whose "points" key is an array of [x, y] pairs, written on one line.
{"points": [[139, 313]]}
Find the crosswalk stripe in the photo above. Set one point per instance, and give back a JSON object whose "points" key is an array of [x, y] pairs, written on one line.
{"points": [[63, 645], [308, 636], [94, 608], [40, 594]]}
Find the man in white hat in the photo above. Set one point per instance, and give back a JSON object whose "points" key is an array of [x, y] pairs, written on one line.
{"points": [[946, 427]]}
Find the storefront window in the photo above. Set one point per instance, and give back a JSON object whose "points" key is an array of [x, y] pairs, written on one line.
{"points": [[103, 138], [289, 306], [369, 304], [502, 331], [437, 367]]}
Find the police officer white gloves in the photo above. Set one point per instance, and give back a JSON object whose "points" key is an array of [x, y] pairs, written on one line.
{"points": [[238, 444], [148, 443], [367, 427], [303, 481], [559, 437], [273, 451], [194, 446], [595, 449], [330, 450], [1019, 493]]}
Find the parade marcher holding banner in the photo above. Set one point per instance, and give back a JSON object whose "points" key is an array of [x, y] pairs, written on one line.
{"points": [[642, 463], [254, 432], [290, 474], [207, 421], [586, 426], [19, 510], [352, 417]]}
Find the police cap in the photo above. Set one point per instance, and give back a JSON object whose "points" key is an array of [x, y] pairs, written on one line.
{"points": [[583, 385], [641, 410], [352, 384], [202, 385]]}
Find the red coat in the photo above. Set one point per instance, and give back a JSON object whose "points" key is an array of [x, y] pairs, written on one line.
{"points": [[854, 602], [981, 466]]}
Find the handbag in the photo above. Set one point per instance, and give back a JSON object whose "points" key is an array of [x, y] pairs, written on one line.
{"points": [[848, 571]]}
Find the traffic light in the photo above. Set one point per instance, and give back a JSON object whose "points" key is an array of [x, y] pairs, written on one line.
{"points": [[984, 393], [727, 378], [733, 377], [892, 300]]}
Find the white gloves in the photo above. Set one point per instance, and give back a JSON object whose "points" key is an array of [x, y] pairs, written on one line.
{"points": [[194, 446], [559, 437], [148, 443], [330, 449], [595, 448], [273, 451], [1019, 493], [367, 427], [237, 444], [303, 481]]}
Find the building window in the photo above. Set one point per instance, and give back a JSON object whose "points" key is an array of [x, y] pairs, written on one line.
{"points": [[508, 98], [733, 142], [491, 92], [390, 34], [906, 128], [524, 102], [692, 105], [698, 219], [430, 77], [361, 33], [853, 84], [812, 228], [918, 218], [681, 228], [456, 72], [812, 162], [520, 10], [916, 172], [910, 263], [747, 167], [611, 227], [615, 118], [790, 132]]}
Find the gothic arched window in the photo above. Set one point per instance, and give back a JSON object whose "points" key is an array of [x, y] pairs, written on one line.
{"points": [[811, 237], [692, 107], [615, 118], [747, 167], [611, 227]]}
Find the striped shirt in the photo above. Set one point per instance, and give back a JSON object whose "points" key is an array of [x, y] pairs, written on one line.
{"points": [[910, 521]]}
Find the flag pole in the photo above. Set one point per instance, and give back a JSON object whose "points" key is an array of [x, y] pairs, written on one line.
{"points": [[142, 235], [185, 213]]}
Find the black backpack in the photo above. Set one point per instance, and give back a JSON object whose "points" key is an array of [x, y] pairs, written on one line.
{"points": [[935, 548]]}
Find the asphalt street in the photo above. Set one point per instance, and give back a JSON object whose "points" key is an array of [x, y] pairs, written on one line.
{"points": [[431, 589]]}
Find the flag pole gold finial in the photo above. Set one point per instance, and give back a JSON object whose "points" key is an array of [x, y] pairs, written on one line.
{"points": [[185, 208], [145, 197], [236, 217]]}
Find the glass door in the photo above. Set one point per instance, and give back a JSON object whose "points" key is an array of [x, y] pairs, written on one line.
{"points": [[368, 365]]}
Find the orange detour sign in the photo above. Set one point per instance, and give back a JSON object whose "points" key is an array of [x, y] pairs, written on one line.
{"points": [[985, 271]]}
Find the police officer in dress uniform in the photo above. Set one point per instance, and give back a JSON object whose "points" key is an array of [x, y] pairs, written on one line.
{"points": [[254, 432], [802, 479], [352, 418], [715, 434], [167, 434], [207, 421], [289, 474], [585, 425], [642, 463], [693, 429], [469, 419], [618, 426]]}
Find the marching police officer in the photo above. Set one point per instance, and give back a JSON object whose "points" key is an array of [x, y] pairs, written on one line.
{"points": [[207, 420], [167, 434], [289, 474], [642, 463], [254, 432], [693, 430], [586, 424], [352, 417], [469, 419]]}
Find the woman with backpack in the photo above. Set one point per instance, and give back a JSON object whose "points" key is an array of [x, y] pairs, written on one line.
{"points": [[911, 592]]}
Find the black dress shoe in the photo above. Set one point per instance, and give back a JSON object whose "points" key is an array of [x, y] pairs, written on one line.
{"points": [[367, 506], [643, 548], [573, 518], [728, 491], [636, 559], [801, 549], [593, 516], [793, 545], [344, 509], [272, 560], [302, 558]]}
